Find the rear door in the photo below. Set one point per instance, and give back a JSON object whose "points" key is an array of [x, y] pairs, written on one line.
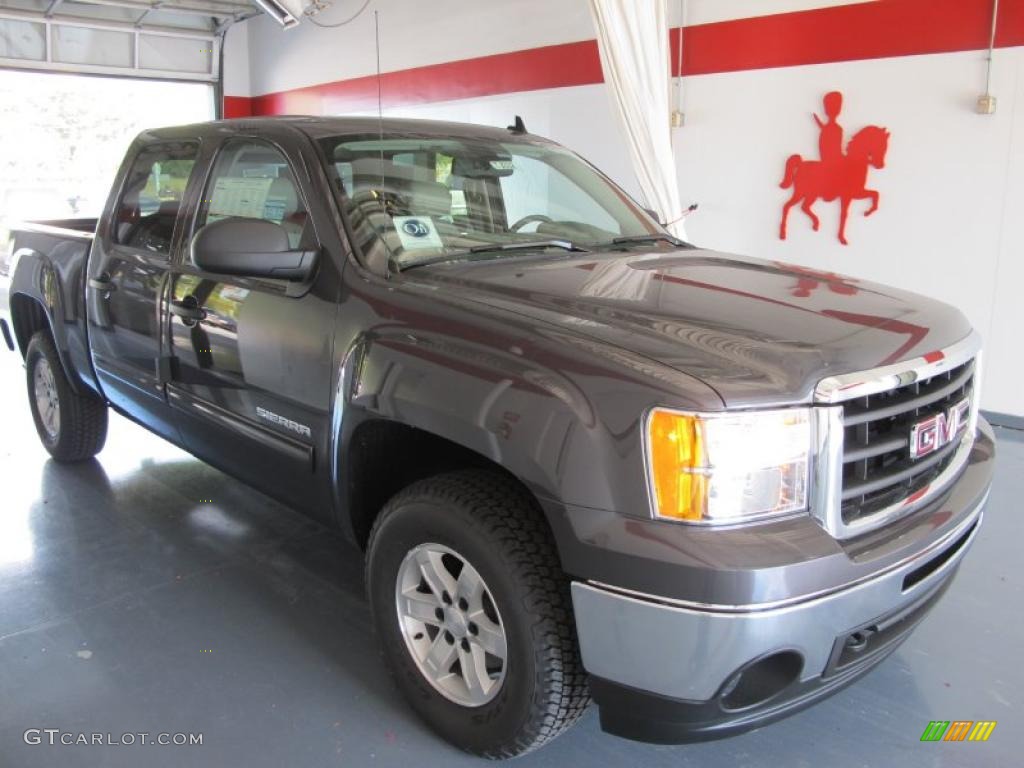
{"points": [[127, 279], [251, 372]]}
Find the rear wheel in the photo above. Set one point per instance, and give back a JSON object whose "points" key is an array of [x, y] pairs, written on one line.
{"points": [[71, 426], [474, 613]]}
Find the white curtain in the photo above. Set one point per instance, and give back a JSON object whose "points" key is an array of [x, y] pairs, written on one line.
{"points": [[632, 36]]}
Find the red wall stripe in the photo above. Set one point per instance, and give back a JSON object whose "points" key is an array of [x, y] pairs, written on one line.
{"points": [[533, 69], [237, 106], [874, 30], [879, 29]]}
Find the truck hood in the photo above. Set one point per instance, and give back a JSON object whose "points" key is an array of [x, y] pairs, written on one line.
{"points": [[758, 332]]}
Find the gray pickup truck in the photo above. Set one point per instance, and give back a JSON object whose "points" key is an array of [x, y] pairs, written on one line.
{"points": [[585, 460]]}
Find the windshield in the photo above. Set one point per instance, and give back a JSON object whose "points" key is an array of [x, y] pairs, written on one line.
{"points": [[415, 199]]}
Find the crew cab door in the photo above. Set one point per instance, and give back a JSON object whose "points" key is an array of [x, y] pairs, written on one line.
{"points": [[251, 357], [127, 279]]}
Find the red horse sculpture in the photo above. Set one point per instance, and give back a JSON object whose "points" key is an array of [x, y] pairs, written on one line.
{"points": [[844, 178]]}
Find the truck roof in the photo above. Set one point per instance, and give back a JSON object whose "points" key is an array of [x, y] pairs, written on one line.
{"points": [[319, 127]]}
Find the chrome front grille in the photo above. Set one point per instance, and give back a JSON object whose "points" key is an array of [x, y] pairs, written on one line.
{"points": [[878, 470], [865, 475]]}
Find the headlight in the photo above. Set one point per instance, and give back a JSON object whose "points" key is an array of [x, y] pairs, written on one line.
{"points": [[728, 467]]}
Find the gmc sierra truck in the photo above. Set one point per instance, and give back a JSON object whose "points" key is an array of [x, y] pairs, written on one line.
{"points": [[585, 459]]}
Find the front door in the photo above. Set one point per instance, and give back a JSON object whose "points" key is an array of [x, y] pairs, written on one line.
{"points": [[127, 280], [251, 358]]}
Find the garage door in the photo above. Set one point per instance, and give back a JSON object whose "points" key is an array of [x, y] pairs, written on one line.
{"points": [[176, 39]]}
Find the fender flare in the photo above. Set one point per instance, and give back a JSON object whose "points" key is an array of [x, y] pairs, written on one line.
{"points": [[34, 279]]}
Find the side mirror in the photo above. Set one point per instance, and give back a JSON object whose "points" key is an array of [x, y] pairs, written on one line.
{"points": [[251, 248]]}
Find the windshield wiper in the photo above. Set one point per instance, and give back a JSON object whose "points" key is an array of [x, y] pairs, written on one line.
{"points": [[563, 244], [401, 266], [487, 248], [655, 238]]}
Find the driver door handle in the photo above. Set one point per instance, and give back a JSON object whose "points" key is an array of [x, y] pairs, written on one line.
{"points": [[188, 310]]}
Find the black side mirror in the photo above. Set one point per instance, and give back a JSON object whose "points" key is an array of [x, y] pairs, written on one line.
{"points": [[251, 248]]}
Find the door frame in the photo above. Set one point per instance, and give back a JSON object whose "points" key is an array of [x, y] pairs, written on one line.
{"points": [[127, 382], [184, 400]]}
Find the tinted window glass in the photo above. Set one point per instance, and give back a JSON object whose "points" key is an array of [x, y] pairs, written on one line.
{"points": [[536, 188], [149, 205], [413, 197], [253, 180]]}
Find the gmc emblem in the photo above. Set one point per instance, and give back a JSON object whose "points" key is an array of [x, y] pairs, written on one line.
{"points": [[941, 429]]}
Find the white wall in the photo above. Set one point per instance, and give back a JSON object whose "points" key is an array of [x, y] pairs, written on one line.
{"points": [[710, 11], [415, 33], [237, 65], [1004, 390], [412, 33], [948, 225]]}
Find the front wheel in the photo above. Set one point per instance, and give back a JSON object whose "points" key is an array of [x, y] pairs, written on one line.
{"points": [[474, 613], [71, 426]]}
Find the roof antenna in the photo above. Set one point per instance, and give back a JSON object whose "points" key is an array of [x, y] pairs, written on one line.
{"points": [[380, 100], [519, 127], [390, 263]]}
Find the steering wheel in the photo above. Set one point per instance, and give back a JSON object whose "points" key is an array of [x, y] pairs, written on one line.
{"points": [[529, 219]]}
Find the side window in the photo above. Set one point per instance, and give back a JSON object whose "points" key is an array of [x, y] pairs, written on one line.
{"points": [[252, 179], [344, 170], [149, 204]]}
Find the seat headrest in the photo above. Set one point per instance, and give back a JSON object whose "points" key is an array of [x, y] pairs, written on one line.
{"points": [[282, 192], [168, 208], [428, 198]]}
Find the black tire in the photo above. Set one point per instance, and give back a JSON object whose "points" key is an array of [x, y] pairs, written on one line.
{"points": [[497, 527], [82, 428]]}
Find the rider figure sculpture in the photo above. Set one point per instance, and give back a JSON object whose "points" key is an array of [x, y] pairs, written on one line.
{"points": [[830, 142], [841, 173]]}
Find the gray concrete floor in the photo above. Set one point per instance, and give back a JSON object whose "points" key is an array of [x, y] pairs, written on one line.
{"points": [[129, 604]]}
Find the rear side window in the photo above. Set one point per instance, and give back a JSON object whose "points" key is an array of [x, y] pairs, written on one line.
{"points": [[252, 179], [151, 200]]}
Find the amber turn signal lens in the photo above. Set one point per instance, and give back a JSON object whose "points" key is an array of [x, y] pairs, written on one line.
{"points": [[679, 482]]}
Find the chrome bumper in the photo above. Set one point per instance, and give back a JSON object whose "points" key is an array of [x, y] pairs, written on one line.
{"points": [[691, 653]]}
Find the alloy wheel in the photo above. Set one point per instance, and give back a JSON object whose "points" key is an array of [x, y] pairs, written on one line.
{"points": [[451, 624]]}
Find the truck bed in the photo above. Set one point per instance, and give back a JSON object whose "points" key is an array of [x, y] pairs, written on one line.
{"points": [[82, 228], [53, 254]]}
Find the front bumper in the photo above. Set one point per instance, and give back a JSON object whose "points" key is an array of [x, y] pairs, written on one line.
{"points": [[670, 670]]}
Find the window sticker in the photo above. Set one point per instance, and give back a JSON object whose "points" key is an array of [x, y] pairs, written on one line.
{"points": [[273, 209], [263, 171], [417, 232], [233, 196]]}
